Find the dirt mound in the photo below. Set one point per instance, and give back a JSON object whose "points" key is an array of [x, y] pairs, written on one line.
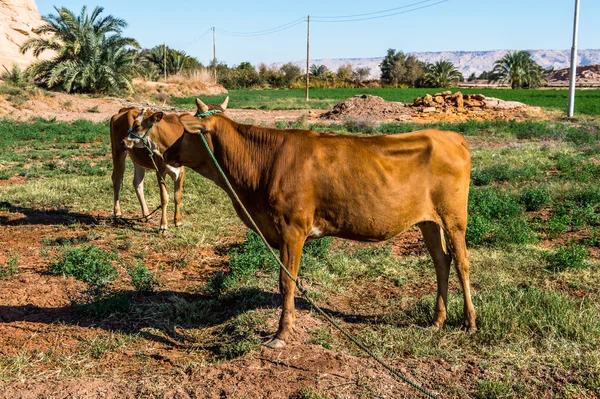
{"points": [[366, 106], [588, 75]]}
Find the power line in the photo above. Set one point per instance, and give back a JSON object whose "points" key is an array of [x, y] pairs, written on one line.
{"points": [[196, 39], [374, 12], [387, 15], [265, 31]]}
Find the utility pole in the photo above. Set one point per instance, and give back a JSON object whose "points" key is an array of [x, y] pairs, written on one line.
{"points": [[307, 53], [215, 54], [573, 72], [165, 59]]}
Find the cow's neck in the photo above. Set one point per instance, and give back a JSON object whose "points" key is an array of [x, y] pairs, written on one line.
{"points": [[245, 152]]}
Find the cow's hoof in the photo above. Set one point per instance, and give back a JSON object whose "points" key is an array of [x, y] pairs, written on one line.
{"points": [[436, 326], [469, 329], [275, 343], [178, 224], [164, 228]]}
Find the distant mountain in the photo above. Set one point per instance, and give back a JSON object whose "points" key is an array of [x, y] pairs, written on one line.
{"points": [[466, 61]]}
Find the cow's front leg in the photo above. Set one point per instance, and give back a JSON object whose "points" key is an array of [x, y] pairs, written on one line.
{"points": [[291, 251], [164, 198]]}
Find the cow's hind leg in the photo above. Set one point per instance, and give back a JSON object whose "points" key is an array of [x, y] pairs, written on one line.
{"points": [[433, 237], [118, 158], [457, 237], [291, 251], [138, 184]]}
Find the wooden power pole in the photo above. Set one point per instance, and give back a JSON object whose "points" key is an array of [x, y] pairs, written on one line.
{"points": [[307, 53], [215, 53]]}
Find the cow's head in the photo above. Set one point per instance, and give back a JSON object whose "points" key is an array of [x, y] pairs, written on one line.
{"points": [[137, 136], [203, 121]]}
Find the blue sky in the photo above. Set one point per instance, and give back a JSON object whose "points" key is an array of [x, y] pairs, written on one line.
{"points": [[453, 25]]}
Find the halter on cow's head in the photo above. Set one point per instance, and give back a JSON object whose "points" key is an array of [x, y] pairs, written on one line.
{"points": [[137, 134]]}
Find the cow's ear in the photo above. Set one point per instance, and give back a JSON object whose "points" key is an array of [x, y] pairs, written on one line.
{"points": [[191, 124], [157, 117], [224, 104], [202, 108]]}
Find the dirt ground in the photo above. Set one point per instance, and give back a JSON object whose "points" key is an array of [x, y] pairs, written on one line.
{"points": [[37, 317]]}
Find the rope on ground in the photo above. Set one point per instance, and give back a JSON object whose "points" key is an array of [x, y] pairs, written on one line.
{"points": [[304, 292]]}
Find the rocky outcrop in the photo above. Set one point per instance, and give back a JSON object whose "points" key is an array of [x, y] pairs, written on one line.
{"points": [[18, 19]]}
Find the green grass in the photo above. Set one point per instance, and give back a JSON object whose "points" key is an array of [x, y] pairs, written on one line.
{"points": [[537, 302], [588, 101]]}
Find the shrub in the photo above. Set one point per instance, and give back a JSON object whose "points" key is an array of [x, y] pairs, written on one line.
{"points": [[90, 265], [571, 256], [497, 218], [365, 126], [10, 268], [535, 198], [142, 279], [252, 255]]}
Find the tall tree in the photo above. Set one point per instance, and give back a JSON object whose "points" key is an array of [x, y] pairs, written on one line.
{"points": [[392, 66], [344, 71], [91, 55], [442, 74], [518, 69], [361, 73]]}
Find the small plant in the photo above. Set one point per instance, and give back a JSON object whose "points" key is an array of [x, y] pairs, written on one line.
{"points": [[10, 268], [68, 104], [502, 173], [321, 337], [94, 109], [535, 198], [90, 265], [244, 262], [309, 393], [14, 76], [142, 279], [365, 126], [570, 256]]}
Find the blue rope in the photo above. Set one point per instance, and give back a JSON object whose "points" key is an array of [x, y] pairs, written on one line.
{"points": [[207, 113]]}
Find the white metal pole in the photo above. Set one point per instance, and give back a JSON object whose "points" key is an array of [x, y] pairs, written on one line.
{"points": [[307, 54], [573, 72]]}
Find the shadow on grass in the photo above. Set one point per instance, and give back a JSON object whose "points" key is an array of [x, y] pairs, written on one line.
{"points": [[61, 217], [164, 316]]}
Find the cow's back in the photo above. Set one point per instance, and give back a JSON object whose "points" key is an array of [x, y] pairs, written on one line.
{"points": [[386, 179]]}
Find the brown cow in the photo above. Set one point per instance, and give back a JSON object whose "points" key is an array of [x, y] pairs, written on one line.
{"points": [[300, 185], [120, 124]]}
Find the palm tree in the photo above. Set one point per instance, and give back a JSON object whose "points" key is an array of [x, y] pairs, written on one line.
{"points": [[442, 74], [318, 71], [91, 55], [518, 68]]}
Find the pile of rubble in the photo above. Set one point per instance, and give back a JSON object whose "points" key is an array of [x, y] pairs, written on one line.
{"points": [[459, 103], [444, 106], [367, 106]]}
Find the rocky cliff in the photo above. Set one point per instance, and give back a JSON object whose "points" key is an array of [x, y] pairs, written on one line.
{"points": [[466, 61], [18, 18]]}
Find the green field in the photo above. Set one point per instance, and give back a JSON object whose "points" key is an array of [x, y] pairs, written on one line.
{"points": [[534, 237], [587, 103]]}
